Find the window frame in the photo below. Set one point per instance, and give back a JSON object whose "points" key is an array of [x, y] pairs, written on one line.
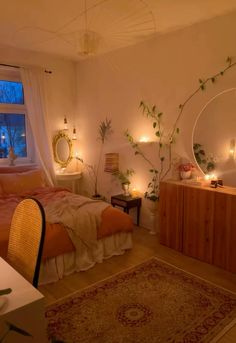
{"points": [[14, 75]]}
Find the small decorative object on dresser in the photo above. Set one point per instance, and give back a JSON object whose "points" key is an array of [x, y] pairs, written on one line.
{"points": [[185, 170]]}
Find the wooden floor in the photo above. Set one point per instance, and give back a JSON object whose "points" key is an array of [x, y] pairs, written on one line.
{"points": [[145, 246]]}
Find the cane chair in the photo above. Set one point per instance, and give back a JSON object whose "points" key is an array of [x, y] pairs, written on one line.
{"points": [[26, 239]]}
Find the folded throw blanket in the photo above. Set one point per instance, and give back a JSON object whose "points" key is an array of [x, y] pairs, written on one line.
{"points": [[80, 215]]}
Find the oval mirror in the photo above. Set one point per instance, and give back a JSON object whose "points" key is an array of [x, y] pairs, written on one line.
{"points": [[214, 137], [62, 149]]}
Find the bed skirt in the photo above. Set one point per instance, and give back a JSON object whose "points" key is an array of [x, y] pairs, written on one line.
{"points": [[56, 268]]}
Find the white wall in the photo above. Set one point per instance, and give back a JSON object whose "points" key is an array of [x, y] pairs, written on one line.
{"points": [[163, 71]]}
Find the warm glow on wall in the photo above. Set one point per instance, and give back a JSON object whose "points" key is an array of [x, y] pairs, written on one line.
{"points": [[232, 148], [144, 139]]}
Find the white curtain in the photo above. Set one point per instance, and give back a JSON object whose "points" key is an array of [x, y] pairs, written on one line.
{"points": [[33, 81]]}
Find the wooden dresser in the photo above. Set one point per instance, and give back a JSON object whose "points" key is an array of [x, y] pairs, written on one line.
{"points": [[199, 221]]}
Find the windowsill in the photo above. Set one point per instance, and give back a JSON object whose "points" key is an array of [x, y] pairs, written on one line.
{"points": [[17, 168]]}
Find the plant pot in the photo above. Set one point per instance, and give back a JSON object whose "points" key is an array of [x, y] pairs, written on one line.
{"points": [[185, 174], [154, 208], [125, 187]]}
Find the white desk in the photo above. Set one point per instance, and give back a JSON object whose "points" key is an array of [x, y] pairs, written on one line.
{"points": [[23, 307], [71, 178]]}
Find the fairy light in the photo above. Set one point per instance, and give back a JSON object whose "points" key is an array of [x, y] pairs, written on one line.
{"points": [[65, 124], [74, 137]]}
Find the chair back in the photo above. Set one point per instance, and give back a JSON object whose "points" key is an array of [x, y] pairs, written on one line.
{"points": [[26, 239]]}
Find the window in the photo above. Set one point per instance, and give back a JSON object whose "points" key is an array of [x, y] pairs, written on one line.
{"points": [[11, 92], [14, 126], [12, 134]]}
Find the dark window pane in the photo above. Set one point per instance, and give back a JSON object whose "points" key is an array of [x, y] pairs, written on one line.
{"points": [[11, 92], [12, 134]]}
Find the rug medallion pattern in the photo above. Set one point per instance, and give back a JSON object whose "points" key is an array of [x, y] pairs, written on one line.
{"points": [[153, 302]]}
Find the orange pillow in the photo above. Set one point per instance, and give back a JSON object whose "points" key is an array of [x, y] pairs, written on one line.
{"points": [[21, 182]]}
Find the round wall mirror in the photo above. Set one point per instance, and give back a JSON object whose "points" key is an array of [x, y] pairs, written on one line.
{"points": [[62, 149], [214, 137]]}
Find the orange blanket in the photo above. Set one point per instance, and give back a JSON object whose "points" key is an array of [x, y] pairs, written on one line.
{"points": [[57, 241]]}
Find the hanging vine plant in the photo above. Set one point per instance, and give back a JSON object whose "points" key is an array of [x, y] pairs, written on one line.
{"points": [[165, 140]]}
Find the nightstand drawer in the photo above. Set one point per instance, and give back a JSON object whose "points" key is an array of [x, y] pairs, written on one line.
{"points": [[118, 202]]}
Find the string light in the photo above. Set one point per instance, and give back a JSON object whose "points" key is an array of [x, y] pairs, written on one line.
{"points": [[65, 124], [74, 134]]}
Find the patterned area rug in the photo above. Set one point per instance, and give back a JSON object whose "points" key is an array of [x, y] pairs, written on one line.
{"points": [[152, 302]]}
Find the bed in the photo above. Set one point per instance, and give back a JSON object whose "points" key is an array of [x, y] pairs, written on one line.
{"points": [[80, 232]]}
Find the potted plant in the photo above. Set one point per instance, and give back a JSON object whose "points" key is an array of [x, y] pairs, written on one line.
{"points": [[160, 168], [185, 170], [104, 132], [124, 178]]}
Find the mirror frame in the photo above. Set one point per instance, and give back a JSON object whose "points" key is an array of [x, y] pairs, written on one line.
{"points": [[56, 138], [198, 116]]}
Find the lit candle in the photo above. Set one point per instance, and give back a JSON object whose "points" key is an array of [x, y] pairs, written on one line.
{"points": [[144, 139], [134, 192]]}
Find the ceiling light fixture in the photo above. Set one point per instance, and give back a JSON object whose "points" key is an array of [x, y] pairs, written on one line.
{"points": [[88, 39], [98, 27]]}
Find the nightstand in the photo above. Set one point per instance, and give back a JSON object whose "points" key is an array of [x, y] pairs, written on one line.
{"points": [[127, 202], [69, 178]]}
